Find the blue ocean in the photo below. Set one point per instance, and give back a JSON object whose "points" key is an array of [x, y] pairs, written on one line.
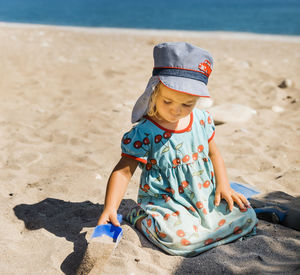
{"points": [[256, 16]]}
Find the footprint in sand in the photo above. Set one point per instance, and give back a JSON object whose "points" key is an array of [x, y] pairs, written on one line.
{"points": [[111, 73], [57, 137], [27, 159], [23, 159]]}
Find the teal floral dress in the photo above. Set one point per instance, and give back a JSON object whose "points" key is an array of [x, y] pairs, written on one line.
{"points": [[177, 188]]}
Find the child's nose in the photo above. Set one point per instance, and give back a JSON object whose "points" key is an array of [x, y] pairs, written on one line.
{"points": [[177, 109]]}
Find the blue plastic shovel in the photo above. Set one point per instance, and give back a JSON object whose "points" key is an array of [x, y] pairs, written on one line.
{"points": [[110, 230]]}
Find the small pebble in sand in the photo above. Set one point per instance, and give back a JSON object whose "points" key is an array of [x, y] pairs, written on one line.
{"points": [[98, 176], [137, 260], [277, 109], [259, 258], [286, 83], [11, 194]]}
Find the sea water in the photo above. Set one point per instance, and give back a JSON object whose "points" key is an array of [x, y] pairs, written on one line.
{"points": [[257, 16]]}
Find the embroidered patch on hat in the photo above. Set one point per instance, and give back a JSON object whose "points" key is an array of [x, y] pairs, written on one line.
{"points": [[205, 67]]}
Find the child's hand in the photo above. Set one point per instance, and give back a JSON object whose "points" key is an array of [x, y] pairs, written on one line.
{"points": [[108, 216], [227, 193]]}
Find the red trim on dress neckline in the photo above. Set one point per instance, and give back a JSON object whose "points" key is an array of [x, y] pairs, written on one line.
{"points": [[188, 128]]}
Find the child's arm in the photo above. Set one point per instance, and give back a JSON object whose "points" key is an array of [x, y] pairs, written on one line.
{"points": [[223, 189], [115, 190]]}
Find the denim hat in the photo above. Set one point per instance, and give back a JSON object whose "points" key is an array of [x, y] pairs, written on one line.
{"points": [[181, 67]]}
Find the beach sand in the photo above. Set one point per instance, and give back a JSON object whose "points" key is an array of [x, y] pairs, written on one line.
{"points": [[66, 100]]}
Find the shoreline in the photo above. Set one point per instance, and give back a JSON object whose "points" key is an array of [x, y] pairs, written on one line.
{"points": [[161, 32]]}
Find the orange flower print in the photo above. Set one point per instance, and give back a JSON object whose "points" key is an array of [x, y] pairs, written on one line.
{"points": [[138, 144], [153, 161], [180, 233], [166, 217], [180, 189], [170, 190], [195, 156], [184, 184], [186, 158], [192, 209], [145, 187], [237, 230], [162, 235], [146, 141], [176, 162], [149, 222], [209, 120], [165, 197], [221, 222], [157, 138], [126, 141], [167, 135], [206, 184], [200, 148], [185, 242], [199, 204], [208, 241]]}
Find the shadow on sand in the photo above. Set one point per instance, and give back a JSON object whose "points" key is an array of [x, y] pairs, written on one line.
{"points": [[275, 248], [64, 219]]}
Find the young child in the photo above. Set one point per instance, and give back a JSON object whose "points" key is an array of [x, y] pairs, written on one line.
{"points": [[183, 180]]}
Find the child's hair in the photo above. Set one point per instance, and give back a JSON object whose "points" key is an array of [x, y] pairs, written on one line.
{"points": [[152, 112]]}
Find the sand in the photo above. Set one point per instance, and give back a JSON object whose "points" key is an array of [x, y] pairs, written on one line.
{"points": [[66, 98]]}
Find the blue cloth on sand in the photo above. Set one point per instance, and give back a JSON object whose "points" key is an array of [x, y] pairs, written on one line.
{"points": [[177, 188]]}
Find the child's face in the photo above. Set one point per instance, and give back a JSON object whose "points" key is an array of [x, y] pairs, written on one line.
{"points": [[173, 106]]}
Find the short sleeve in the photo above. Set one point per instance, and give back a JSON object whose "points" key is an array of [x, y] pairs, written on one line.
{"points": [[209, 125], [135, 144]]}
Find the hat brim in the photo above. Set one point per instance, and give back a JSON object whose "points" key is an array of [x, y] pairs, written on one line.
{"points": [[185, 85]]}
